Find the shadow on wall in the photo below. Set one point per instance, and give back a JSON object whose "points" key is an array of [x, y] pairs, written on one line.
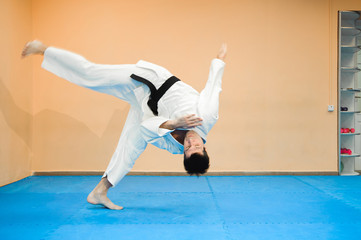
{"points": [[59, 138], [17, 119], [63, 140]]}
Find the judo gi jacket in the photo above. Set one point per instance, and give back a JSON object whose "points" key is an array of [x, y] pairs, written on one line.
{"points": [[142, 126]]}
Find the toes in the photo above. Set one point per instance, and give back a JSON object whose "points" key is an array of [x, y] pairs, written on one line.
{"points": [[24, 53], [116, 207]]}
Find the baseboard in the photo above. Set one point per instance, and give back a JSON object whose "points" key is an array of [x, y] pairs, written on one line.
{"points": [[141, 173], [67, 173]]}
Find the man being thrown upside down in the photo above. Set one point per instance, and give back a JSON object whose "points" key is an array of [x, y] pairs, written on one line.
{"points": [[164, 111]]}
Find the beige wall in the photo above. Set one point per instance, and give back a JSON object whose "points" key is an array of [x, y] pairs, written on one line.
{"points": [[15, 91], [273, 108], [277, 85], [280, 76]]}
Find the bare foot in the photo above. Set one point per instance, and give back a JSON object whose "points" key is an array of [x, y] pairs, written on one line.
{"points": [[33, 47], [100, 198]]}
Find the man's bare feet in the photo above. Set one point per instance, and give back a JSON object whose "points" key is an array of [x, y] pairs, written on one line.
{"points": [[33, 47], [99, 195]]}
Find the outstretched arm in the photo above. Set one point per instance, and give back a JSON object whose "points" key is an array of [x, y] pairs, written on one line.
{"points": [[192, 120], [209, 98]]}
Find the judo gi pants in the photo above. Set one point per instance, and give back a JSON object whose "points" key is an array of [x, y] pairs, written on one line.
{"points": [[113, 80]]}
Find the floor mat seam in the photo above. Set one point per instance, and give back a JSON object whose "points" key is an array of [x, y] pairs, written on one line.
{"points": [[224, 224]]}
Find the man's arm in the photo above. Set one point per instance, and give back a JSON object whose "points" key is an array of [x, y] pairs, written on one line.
{"points": [[192, 120], [186, 122], [209, 98], [158, 126]]}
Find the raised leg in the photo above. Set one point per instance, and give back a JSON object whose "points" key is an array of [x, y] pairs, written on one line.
{"points": [[110, 79]]}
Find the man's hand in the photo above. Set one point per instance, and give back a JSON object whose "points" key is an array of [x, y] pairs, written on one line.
{"points": [[222, 52], [186, 122]]}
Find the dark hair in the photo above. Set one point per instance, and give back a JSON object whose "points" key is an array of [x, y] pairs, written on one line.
{"points": [[197, 163]]}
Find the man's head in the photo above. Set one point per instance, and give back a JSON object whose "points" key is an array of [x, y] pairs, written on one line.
{"points": [[196, 160]]}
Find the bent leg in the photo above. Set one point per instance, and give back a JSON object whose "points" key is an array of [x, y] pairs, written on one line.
{"points": [[130, 146]]}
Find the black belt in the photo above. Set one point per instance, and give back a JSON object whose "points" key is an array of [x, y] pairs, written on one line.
{"points": [[155, 94]]}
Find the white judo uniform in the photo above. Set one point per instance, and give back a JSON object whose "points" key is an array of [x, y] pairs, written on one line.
{"points": [[142, 126]]}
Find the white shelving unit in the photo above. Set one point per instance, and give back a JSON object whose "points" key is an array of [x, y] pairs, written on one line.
{"points": [[348, 69], [358, 101]]}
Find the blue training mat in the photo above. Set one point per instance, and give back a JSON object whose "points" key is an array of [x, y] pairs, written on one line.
{"points": [[252, 207]]}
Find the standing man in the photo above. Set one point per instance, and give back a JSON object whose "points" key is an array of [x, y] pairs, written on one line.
{"points": [[164, 111]]}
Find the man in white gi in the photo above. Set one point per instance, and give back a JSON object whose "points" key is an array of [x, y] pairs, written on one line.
{"points": [[179, 122]]}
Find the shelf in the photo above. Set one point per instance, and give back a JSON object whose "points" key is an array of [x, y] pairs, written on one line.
{"points": [[350, 69], [351, 46], [352, 155], [351, 31], [358, 24], [349, 15], [350, 49], [350, 90], [349, 174], [349, 134], [350, 112]]}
